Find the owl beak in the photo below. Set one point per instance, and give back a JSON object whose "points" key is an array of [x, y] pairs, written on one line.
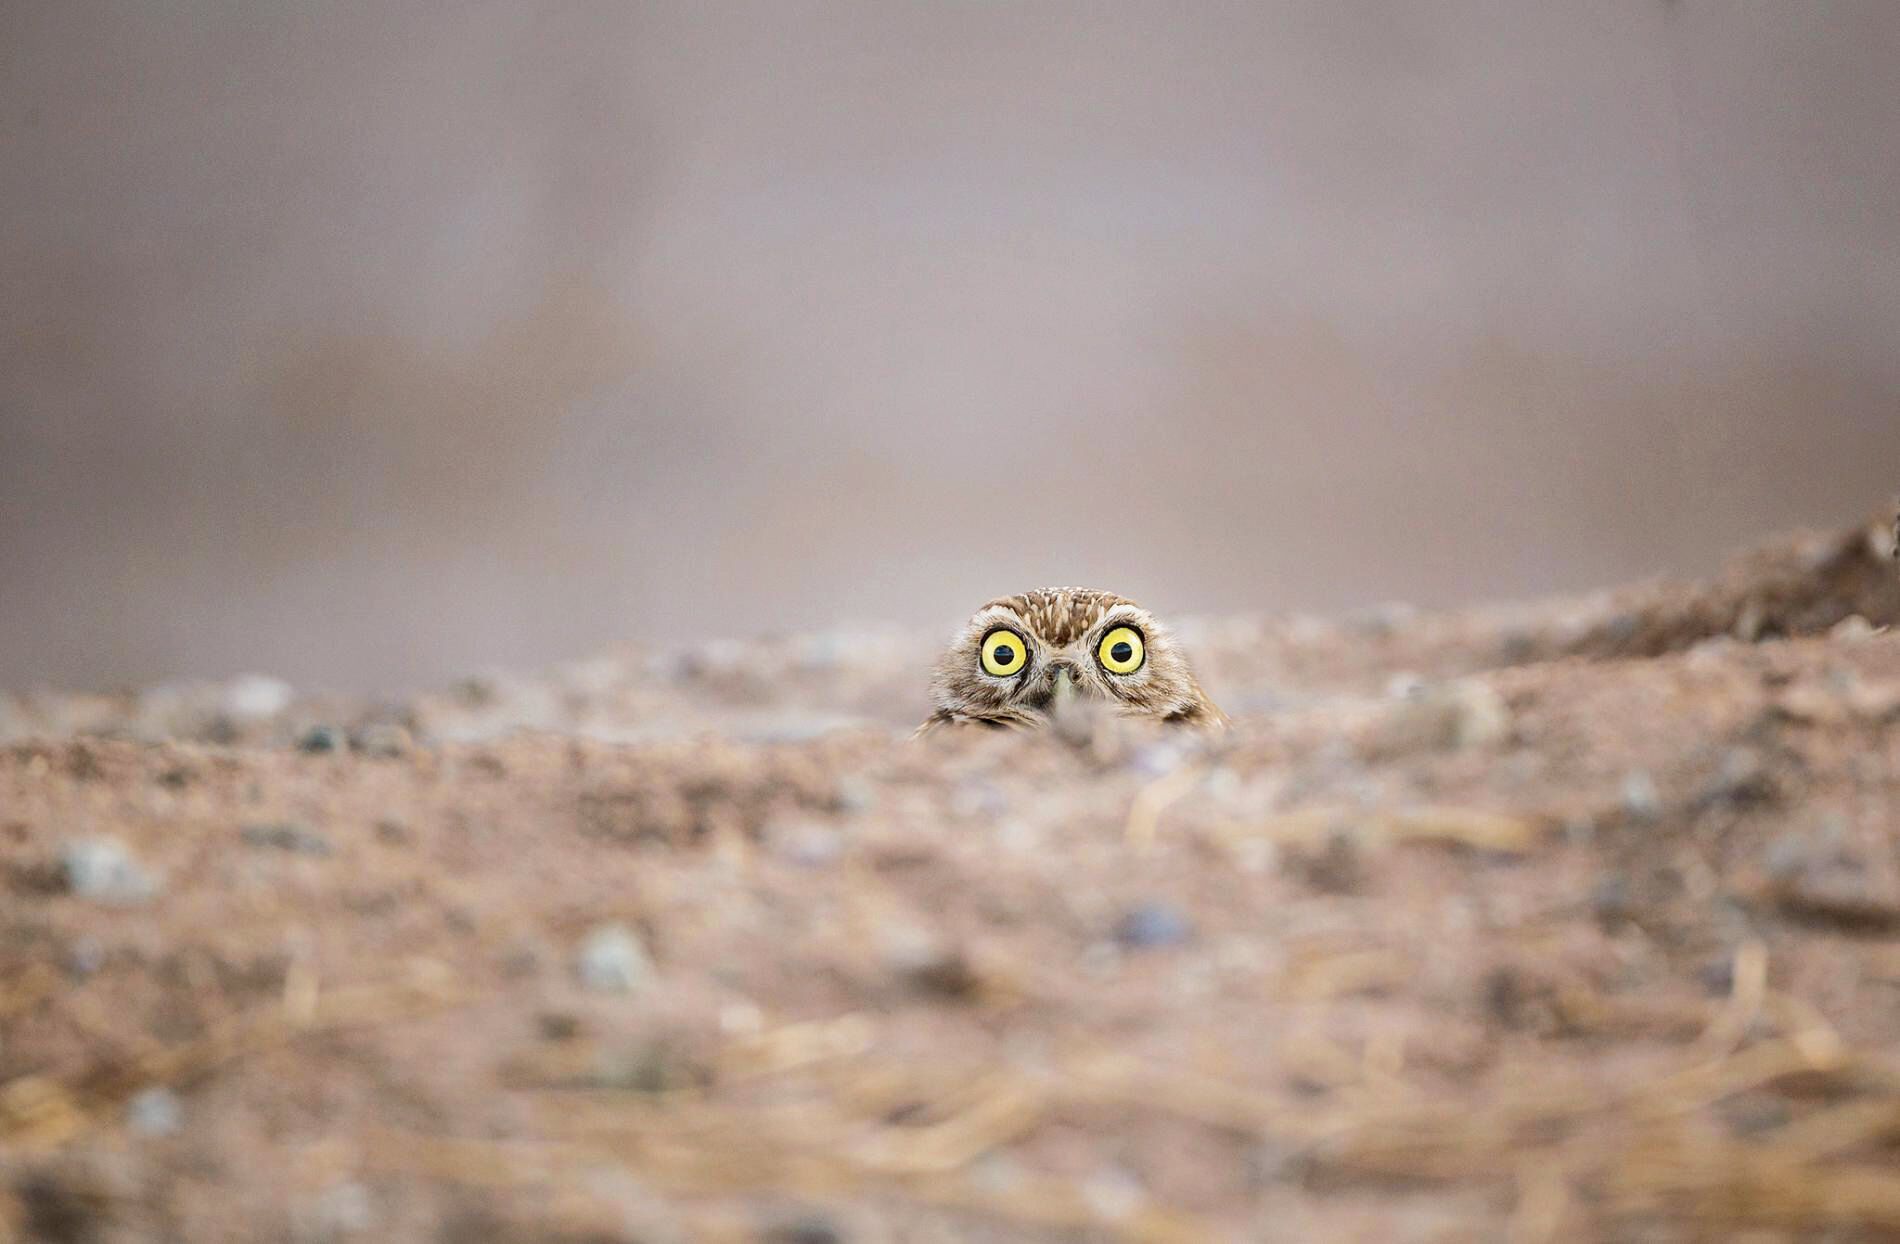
{"points": [[1062, 693], [1070, 710]]}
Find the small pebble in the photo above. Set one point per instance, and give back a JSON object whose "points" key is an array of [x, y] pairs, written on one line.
{"points": [[155, 1112], [1153, 925], [1158, 759], [525, 957], [1484, 719], [997, 1173], [1743, 779], [287, 836], [741, 1019], [476, 691], [856, 795], [254, 697], [927, 962], [1113, 1194], [319, 740], [657, 1065], [1852, 629], [1404, 685], [1641, 799], [807, 844], [1018, 837], [1622, 628], [102, 869], [613, 960], [716, 659], [807, 1228], [382, 741], [1517, 647], [1883, 541], [1750, 622], [557, 1025]]}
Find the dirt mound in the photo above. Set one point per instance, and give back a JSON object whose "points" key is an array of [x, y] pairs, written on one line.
{"points": [[1803, 587], [1568, 921]]}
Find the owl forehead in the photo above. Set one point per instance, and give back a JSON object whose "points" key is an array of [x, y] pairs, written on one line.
{"points": [[1060, 615]]}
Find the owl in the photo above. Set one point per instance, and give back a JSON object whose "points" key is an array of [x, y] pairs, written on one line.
{"points": [[1021, 659]]}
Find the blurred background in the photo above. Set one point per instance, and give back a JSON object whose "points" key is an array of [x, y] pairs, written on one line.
{"points": [[369, 343]]}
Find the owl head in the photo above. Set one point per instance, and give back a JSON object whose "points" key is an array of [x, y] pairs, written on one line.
{"points": [[1021, 659]]}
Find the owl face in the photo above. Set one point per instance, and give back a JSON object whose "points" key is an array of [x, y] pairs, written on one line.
{"points": [[1022, 657]]}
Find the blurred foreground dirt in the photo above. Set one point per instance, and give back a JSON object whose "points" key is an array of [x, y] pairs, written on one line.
{"points": [[1575, 920]]}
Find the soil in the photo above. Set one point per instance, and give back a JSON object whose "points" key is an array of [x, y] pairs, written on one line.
{"points": [[1570, 920]]}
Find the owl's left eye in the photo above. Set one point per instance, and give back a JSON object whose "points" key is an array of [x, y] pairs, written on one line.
{"points": [[1121, 650], [1004, 653]]}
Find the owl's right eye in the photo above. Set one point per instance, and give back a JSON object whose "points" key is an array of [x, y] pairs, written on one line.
{"points": [[1004, 653]]}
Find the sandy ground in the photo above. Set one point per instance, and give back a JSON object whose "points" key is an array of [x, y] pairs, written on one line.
{"points": [[1574, 920]]}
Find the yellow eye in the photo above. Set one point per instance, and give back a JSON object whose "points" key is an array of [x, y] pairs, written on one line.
{"points": [[1004, 653], [1121, 651]]}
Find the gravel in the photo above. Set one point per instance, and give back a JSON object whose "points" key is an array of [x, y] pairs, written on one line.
{"points": [[1150, 926], [321, 740], [155, 1112], [806, 844], [927, 962], [613, 959], [287, 836], [102, 869], [253, 697], [382, 741], [805, 1228], [1641, 799]]}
